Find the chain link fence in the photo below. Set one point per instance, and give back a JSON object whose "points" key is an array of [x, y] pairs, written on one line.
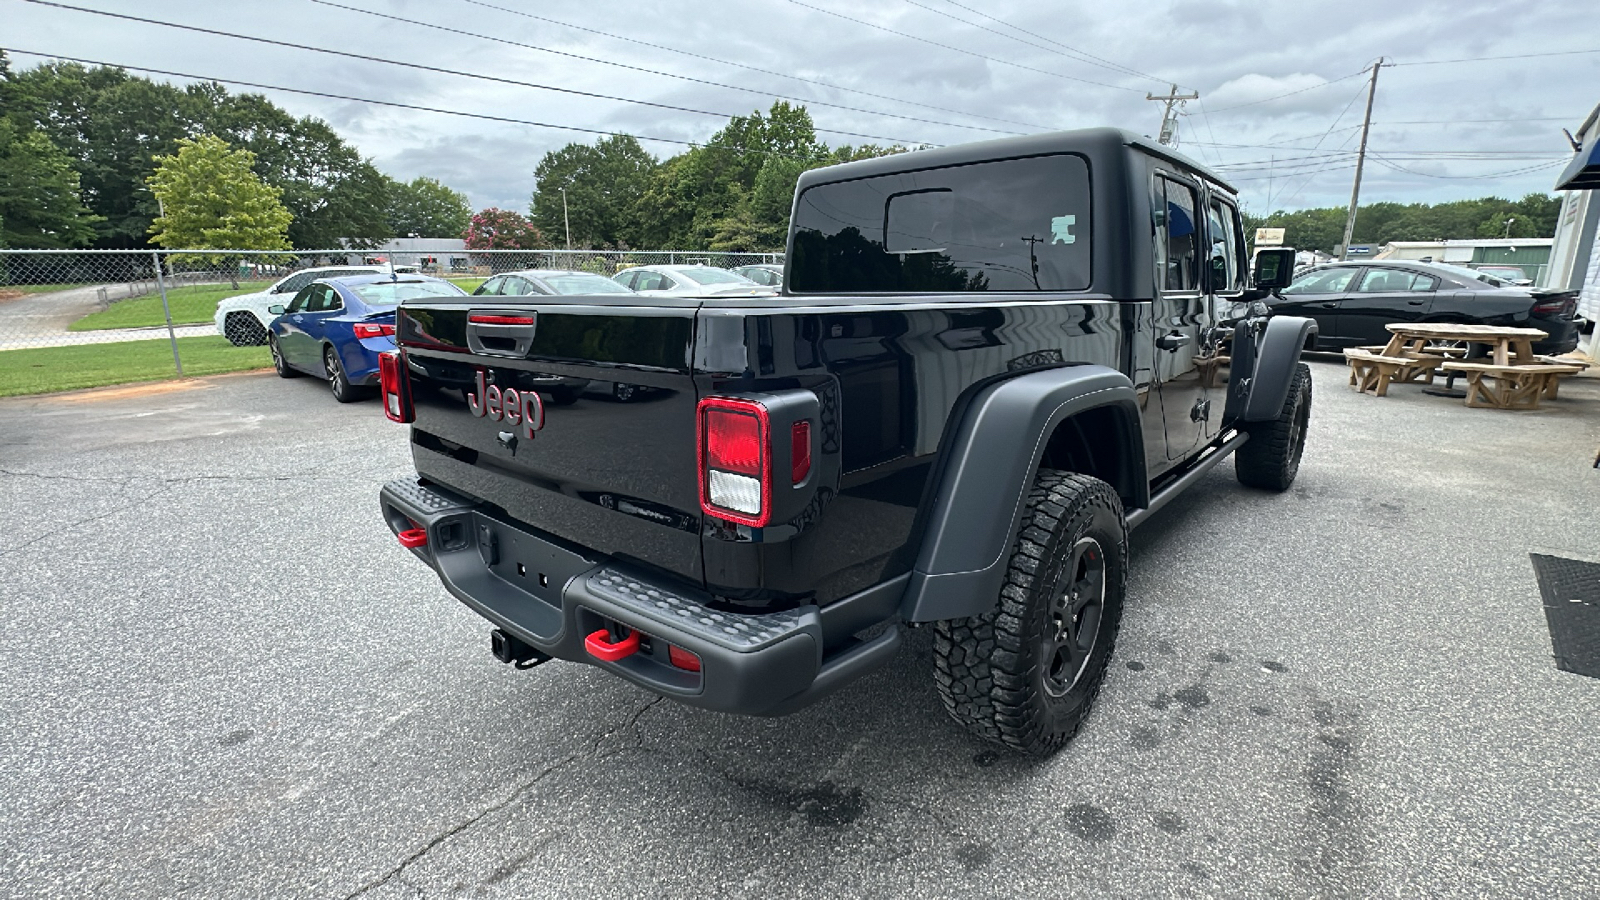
{"points": [[142, 315]]}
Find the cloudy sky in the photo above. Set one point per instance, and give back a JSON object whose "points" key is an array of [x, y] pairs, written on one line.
{"points": [[1281, 84]]}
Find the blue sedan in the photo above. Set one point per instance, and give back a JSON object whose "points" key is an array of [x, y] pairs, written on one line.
{"points": [[334, 328]]}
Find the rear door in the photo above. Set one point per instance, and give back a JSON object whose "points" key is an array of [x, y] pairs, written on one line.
{"points": [[1384, 296], [325, 303], [618, 477], [1181, 311], [294, 343]]}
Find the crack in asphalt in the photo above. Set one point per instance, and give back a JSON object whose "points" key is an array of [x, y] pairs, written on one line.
{"points": [[73, 526], [396, 873]]}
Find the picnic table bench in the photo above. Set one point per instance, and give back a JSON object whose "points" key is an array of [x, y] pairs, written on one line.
{"points": [[1512, 376]]}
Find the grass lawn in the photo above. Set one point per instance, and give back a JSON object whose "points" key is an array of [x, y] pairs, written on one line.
{"points": [[194, 304], [467, 284], [49, 369]]}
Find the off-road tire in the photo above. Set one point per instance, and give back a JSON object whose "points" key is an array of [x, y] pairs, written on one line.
{"points": [[283, 368], [994, 671], [338, 383], [243, 330], [1270, 459]]}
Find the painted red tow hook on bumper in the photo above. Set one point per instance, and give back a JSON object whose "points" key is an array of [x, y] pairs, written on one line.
{"points": [[413, 537], [600, 646]]}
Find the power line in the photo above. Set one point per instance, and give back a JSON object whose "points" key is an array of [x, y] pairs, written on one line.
{"points": [[389, 103], [1088, 56], [1467, 59], [1075, 56], [992, 59], [1522, 171], [410, 65], [833, 87], [606, 62], [1281, 96]]}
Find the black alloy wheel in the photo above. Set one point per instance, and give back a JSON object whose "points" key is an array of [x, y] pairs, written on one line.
{"points": [[278, 362], [244, 330], [624, 393], [343, 390], [1074, 617]]}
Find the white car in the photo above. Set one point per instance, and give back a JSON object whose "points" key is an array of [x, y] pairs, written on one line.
{"points": [[244, 319], [690, 281]]}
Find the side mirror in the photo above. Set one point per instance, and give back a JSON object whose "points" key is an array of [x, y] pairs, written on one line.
{"points": [[276, 309], [1274, 269]]}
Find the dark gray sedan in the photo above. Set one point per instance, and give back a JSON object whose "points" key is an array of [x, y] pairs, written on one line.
{"points": [[1353, 301]]}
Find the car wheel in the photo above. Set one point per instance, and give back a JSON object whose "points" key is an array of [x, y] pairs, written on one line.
{"points": [[244, 330], [1270, 459], [563, 396], [624, 393], [1026, 673], [284, 369], [343, 390]]}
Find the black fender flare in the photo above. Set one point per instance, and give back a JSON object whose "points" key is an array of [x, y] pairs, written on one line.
{"points": [[1257, 390], [986, 472]]}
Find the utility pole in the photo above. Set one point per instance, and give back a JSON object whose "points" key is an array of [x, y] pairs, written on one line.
{"points": [[1169, 117], [1361, 159], [564, 220]]}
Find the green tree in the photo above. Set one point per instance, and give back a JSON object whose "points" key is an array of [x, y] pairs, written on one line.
{"points": [[40, 205], [501, 229], [212, 200], [425, 208], [601, 185]]}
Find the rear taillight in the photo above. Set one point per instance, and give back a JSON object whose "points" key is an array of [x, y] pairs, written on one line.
{"points": [[1563, 304], [799, 451], [735, 452], [395, 388], [366, 330]]}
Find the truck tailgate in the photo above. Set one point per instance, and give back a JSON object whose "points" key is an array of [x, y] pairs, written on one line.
{"points": [[611, 464]]}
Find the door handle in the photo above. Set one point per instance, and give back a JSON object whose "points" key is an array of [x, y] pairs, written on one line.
{"points": [[1415, 302], [1171, 342], [1330, 305]]}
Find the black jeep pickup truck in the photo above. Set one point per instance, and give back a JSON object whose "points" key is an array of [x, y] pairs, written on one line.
{"points": [[988, 363]]}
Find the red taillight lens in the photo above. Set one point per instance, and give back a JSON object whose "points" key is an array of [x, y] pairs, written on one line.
{"points": [[682, 658], [800, 452], [735, 449], [366, 330], [733, 441], [394, 388]]}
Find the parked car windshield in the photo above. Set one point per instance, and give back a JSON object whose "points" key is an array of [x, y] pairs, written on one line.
{"points": [[711, 276], [583, 283], [390, 293], [1009, 225]]}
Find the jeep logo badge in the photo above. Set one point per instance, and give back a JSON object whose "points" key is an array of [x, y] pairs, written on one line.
{"points": [[511, 406]]}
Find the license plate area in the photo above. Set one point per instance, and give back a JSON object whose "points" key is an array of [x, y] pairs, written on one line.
{"points": [[533, 564]]}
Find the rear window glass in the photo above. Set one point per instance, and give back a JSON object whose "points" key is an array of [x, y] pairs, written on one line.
{"points": [[711, 276], [579, 283], [1010, 225], [390, 293]]}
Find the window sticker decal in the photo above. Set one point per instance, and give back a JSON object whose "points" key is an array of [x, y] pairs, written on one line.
{"points": [[1061, 230]]}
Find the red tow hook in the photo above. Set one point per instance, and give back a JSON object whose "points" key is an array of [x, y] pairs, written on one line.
{"points": [[413, 538], [600, 645]]}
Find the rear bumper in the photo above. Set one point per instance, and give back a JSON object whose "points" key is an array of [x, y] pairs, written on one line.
{"points": [[1563, 337], [552, 595]]}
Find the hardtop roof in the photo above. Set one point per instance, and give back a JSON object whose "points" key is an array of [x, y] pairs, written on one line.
{"points": [[1091, 142]]}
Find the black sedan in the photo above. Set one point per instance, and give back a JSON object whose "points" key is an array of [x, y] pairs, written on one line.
{"points": [[1353, 301]]}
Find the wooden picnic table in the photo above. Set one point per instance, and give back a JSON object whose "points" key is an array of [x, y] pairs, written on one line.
{"points": [[1413, 339], [1517, 378]]}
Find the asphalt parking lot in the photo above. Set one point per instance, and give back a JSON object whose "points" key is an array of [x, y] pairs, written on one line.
{"points": [[224, 679]]}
